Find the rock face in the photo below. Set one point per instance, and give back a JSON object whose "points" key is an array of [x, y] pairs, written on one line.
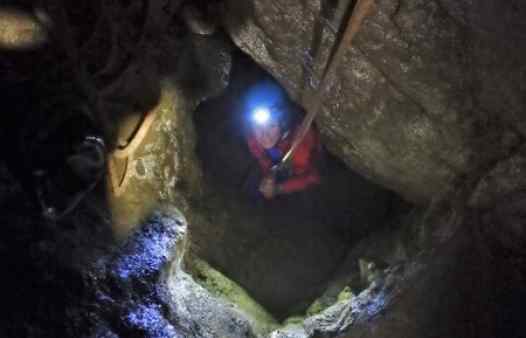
{"points": [[156, 162], [505, 178], [468, 285], [430, 90], [72, 279], [135, 85]]}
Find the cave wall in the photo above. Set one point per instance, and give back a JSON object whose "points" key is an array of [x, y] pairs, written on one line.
{"points": [[134, 71], [160, 165], [440, 110], [20, 31], [429, 91], [163, 167]]}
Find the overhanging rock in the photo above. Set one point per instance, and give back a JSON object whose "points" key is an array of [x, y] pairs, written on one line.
{"points": [[418, 99]]}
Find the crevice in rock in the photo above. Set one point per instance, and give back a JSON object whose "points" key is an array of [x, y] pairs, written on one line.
{"points": [[283, 242]]}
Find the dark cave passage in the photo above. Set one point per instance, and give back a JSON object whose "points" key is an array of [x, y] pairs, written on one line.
{"points": [[299, 239]]}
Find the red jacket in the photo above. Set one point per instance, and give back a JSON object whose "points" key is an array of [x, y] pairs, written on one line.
{"points": [[304, 171]]}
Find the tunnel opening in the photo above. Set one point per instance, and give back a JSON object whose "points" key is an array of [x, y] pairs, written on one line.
{"points": [[285, 250]]}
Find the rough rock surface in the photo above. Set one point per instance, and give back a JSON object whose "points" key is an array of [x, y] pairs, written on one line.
{"points": [[20, 31], [72, 279], [163, 167], [467, 286], [138, 288], [202, 313], [505, 178], [338, 319], [441, 102], [430, 90]]}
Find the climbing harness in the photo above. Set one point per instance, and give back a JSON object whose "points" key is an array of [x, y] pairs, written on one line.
{"points": [[312, 103]]}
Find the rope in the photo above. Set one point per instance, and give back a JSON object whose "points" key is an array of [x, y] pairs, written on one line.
{"points": [[313, 103]]}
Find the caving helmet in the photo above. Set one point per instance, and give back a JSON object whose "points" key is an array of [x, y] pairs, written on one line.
{"points": [[265, 104]]}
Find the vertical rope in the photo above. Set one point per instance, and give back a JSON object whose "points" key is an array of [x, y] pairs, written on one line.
{"points": [[313, 103]]}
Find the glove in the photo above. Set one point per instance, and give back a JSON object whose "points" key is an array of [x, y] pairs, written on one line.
{"points": [[282, 171]]}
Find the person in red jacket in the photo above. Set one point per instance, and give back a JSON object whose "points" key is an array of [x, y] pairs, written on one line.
{"points": [[269, 139]]}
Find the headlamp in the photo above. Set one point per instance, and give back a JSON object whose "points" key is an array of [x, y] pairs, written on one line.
{"points": [[261, 115]]}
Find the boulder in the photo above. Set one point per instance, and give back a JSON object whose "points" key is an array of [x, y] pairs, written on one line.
{"points": [[428, 91]]}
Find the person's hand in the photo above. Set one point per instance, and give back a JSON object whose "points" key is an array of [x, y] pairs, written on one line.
{"points": [[268, 187]]}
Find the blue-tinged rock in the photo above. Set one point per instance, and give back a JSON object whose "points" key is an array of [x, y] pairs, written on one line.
{"points": [[148, 318], [152, 246]]}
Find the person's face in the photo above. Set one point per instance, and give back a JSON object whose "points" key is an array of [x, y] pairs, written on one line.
{"points": [[267, 135]]}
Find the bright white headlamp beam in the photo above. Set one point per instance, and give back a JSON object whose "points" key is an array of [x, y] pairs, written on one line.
{"points": [[261, 115]]}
